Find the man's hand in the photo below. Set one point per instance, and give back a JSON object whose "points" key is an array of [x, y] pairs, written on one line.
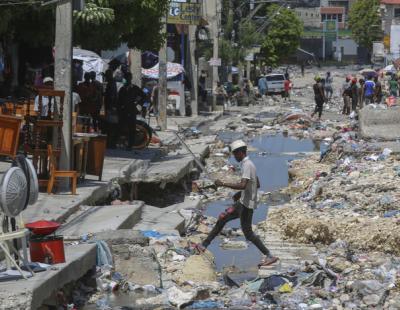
{"points": [[237, 196], [219, 183]]}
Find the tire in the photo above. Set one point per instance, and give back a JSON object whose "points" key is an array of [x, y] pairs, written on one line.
{"points": [[143, 135]]}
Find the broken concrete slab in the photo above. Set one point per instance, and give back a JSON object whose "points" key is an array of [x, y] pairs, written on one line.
{"points": [[137, 263], [122, 236], [166, 220], [161, 220], [31, 293], [104, 218], [380, 123]]}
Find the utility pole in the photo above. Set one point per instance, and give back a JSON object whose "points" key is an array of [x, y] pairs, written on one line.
{"points": [[63, 77], [135, 66], [215, 32], [162, 82], [194, 71]]}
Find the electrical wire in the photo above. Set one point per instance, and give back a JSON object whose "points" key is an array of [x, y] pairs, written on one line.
{"points": [[9, 3]]}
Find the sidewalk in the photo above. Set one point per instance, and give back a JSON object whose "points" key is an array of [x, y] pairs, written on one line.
{"points": [[118, 163]]}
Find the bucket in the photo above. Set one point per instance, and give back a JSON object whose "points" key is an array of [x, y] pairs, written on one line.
{"points": [[48, 250]]}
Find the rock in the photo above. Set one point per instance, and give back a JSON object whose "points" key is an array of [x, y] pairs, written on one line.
{"points": [[354, 175], [198, 269], [368, 287], [371, 300], [344, 298], [233, 244], [180, 298]]}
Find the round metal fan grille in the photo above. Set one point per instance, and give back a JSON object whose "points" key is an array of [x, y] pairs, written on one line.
{"points": [[34, 183], [13, 192]]}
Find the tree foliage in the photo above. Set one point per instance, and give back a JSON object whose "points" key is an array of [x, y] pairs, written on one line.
{"points": [[282, 35], [104, 24], [365, 22], [30, 24], [234, 51]]}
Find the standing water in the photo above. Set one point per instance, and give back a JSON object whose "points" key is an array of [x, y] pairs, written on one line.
{"points": [[271, 159]]}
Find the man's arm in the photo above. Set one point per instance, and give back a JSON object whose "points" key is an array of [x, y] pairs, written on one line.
{"points": [[237, 186]]}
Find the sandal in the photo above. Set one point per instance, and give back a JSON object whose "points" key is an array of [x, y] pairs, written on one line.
{"points": [[268, 261]]}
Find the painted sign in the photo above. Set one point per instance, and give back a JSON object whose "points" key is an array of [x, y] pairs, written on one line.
{"points": [[215, 62], [184, 13]]}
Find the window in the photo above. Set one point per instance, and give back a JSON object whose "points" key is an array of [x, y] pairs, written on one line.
{"points": [[306, 14], [276, 77], [396, 13], [329, 17], [323, 17], [312, 15], [340, 18]]}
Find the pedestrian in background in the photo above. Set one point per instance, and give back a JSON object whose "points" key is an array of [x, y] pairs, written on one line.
{"points": [[262, 85], [378, 90], [361, 93], [393, 86], [111, 107], [346, 94], [287, 88], [129, 97], [369, 91], [319, 96], [328, 86], [87, 92], [354, 94], [98, 91]]}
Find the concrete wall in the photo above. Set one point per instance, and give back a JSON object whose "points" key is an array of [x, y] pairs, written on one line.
{"points": [[311, 17], [349, 47], [387, 11], [380, 124]]}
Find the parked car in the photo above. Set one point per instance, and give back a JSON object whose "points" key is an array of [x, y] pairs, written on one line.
{"points": [[275, 84]]}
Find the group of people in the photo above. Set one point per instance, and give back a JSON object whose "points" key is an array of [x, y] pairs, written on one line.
{"points": [[356, 93]]}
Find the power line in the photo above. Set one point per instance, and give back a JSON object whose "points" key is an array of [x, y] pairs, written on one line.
{"points": [[21, 3]]}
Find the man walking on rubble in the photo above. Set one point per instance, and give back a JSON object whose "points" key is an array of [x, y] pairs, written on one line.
{"points": [[245, 202], [319, 96]]}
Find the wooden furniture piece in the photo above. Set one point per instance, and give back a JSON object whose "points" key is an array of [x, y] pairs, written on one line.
{"points": [[9, 135], [96, 154], [43, 129], [81, 147], [54, 173]]}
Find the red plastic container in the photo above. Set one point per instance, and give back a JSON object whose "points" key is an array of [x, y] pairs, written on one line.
{"points": [[48, 250], [43, 227]]}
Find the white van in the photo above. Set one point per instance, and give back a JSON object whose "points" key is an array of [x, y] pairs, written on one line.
{"points": [[275, 84]]}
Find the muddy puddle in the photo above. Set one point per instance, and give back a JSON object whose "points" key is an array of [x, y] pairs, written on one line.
{"points": [[271, 159]]}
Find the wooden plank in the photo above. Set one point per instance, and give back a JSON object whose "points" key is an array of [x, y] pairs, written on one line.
{"points": [[9, 135]]}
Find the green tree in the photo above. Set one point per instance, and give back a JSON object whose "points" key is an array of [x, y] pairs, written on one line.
{"points": [[105, 24], [247, 37], [365, 22], [32, 25], [282, 34]]}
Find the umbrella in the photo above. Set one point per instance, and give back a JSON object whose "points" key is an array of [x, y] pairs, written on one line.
{"points": [[368, 73], [173, 69], [91, 62], [390, 68]]}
